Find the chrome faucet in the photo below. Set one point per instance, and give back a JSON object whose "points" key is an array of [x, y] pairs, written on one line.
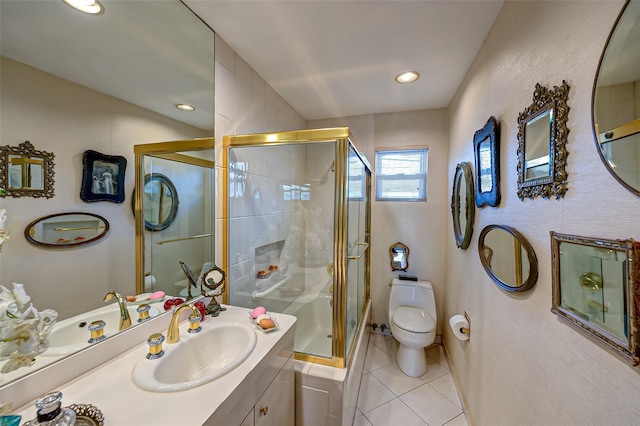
{"points": [[173, 334], [125, 319]]}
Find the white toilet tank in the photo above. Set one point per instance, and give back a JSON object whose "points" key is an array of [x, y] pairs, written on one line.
{"points": [[412, 293]]}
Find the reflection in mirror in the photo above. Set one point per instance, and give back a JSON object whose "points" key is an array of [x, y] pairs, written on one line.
{"points": [[463, 210], [169, 240], [484, 155], [616, 100], [26, 172], [595, 288], [542, 140], [508, 258], [537, 137], [66, 229], [399, 257], [486, 142], [160, 202], [87, 100]]}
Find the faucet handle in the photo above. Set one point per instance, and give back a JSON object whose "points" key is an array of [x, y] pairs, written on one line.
{"points": [[155, 346], [194, 324], [143, 312], [97, 331]]}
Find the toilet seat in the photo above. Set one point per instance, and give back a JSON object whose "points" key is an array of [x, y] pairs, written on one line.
{"points": [[414, 320]]}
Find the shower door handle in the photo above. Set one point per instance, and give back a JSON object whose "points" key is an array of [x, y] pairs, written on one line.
{"points": [[365, 245]]}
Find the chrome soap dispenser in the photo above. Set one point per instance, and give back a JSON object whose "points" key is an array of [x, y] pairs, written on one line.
{"points": [[50, 412]]}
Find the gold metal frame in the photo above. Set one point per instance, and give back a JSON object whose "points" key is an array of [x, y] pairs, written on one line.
{"points": [[167, 151], [343, 139], [29, 155]]}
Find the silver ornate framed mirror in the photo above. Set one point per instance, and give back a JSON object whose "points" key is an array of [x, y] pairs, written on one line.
{"points": [[26, 171], [616, 100], [462, 205], [596, 287], [542, 140], [508, 258], [399, 254]]}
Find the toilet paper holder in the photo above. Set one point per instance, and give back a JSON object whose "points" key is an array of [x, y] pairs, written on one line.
{"points": [[461, 326], [466, 330]]}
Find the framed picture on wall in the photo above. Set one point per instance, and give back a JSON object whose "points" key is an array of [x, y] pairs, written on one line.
{"points": [[102, 177]]}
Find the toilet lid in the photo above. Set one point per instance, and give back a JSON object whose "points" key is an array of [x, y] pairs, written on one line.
{"points": [[413, 319]]}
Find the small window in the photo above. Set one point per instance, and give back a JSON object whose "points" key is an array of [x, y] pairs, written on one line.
{"points": [[401, 175]]}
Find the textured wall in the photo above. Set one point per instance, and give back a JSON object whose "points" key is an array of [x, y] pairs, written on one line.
{"points": [[523, 365]]}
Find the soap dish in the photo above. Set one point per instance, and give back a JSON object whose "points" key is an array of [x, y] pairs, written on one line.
{"points": [[87, 415], [268, 330]]}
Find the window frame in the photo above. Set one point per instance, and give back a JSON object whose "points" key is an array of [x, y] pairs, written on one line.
{"points": [[422, 176]]}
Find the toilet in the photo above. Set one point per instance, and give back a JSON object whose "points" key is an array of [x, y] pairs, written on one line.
{"points": [[412, 318]]}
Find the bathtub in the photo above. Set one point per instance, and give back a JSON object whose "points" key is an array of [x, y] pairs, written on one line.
{"points": [[325, 395]]}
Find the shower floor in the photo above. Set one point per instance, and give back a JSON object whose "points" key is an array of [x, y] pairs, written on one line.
{"points": [[314, 342]]}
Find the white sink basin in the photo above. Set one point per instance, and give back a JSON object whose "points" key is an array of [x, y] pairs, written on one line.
{"points": [[72, 334], [197, 358]]}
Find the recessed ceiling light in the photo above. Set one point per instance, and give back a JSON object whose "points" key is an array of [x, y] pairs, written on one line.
{"points": [[407, 77], [185, 107], [92, 7]]}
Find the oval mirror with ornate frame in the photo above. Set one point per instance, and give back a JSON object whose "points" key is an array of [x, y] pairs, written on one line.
{"points": [[160, 202], [542, 140], [63, 230], [26, 171], [615, 112], [508, 258], [463, 212], [399, 257]]}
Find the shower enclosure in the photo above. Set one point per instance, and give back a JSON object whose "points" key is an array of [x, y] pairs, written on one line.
{"points": [[174, 214], [297, 219]]}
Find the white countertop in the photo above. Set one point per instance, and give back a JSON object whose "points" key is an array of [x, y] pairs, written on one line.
{"points": [[111, 389]]}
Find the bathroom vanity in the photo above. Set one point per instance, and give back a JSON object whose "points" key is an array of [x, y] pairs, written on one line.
{"points": [[259, 391]]}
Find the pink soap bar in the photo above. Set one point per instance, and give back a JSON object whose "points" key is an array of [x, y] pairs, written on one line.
{"points": [[257, 312], [157, 295]]}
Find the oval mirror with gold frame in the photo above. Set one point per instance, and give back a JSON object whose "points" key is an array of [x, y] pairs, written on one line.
{"points": [[463, 205], [508, 258], [399, 254], [63, 230], [615, 112]]}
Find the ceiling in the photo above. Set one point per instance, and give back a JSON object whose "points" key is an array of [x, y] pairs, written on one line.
{"points": [[339, 58]]}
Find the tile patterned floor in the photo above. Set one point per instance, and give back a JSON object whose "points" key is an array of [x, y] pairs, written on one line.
{"points": [[388, 397]]}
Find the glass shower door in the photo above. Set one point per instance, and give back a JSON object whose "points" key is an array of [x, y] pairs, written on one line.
{"points": [[357, 243]]}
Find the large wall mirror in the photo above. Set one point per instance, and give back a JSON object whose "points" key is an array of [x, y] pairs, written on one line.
{"points": [[507, 256], [102, 83], [462, 205], [616, 100], [542, 140], [26, 171], [596, 286]]}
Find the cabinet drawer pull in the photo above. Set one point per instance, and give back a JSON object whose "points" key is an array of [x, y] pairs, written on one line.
{"points": [[264, 410]]}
